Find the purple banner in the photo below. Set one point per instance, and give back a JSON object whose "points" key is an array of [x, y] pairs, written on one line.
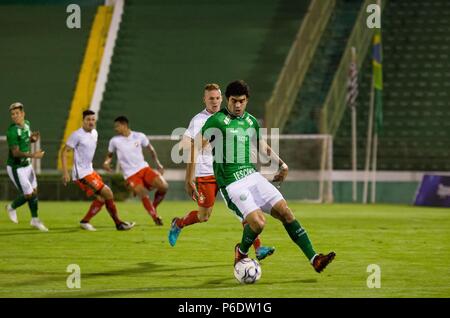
{"points": [[434, 191]]}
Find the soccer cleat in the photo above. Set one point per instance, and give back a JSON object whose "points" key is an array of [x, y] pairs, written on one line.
{"points": [[125, 226], [35, 222], [12, 214], [87, 226], [263, 251], [158, 220], [238, 255], [174, 232], [321, 261]]}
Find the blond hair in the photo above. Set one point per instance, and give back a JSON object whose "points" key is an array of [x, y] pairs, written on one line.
{"points": [[212, 87]]}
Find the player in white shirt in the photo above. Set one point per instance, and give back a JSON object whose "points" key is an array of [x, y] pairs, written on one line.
{"points": [[84, 142], [204, 188], [139, 176]]}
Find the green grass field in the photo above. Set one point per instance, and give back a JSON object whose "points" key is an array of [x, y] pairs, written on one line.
{"points": [[411, 245]]}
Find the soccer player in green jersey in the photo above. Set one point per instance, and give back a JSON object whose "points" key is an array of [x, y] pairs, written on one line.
{"points": [[232, 132], [203, 189], [19, 167]]}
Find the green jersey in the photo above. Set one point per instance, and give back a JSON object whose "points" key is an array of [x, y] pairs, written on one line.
{"points": [[20, 137], [234, 141]]}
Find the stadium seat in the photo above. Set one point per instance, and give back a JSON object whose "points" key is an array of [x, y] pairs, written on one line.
{"points": [[416, 91]]}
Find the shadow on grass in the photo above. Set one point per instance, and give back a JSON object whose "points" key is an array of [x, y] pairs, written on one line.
{"points": [[32, 231], [214, 284], [48, 277], [54, 230]]}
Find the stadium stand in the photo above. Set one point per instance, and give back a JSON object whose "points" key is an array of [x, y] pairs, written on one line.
{"points": [[40, 61], [416, 104], [304, 116], [167, 51]]}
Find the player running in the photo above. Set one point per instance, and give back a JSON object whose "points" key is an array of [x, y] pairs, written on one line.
{"points": [[247, 192], [204, 188], [19, 168], [84, 142], [139, 176]]}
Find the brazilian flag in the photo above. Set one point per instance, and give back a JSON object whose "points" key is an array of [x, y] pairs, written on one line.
{"points": [[378, 80]]}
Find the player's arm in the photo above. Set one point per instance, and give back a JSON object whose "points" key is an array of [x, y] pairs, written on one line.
{"points": [[154, 155], [189, 182], [196, 146], [193, 143], [282, 166], [65, 171], [13, 143], [19, 154], [107, 162]]}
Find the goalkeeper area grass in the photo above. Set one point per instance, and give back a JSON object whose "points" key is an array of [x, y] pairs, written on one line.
{"points": [[411, 246]]}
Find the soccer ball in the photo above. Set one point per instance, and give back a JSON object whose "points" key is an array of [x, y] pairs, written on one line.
{"points": [[247, 271]]}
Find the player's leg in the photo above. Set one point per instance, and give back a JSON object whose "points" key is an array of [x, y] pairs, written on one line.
{"points": [[142, 193], [95, 207], [95, 182], [25, 179], [154, 180], [33, 205], [240, 199], [108, 196], [161, 186], [33, 201], [96, 204], [261, 251], [207, 195], [255, 222], [207, 191], [18, 201], [257, 241], [200, 215], [297, 233]]}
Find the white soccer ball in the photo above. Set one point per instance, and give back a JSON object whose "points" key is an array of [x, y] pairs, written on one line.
{"points": [[247, 271]]}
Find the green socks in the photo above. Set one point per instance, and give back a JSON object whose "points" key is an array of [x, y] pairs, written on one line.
{"points": [[248, 236], [33, 205], [18, 202], [299, 236]]}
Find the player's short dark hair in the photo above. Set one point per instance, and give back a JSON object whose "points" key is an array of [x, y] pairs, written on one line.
{"points": [[88, 113], [121, 119], [237, 88]]}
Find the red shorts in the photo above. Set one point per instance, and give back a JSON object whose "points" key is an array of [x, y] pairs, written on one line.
{"points": [[207, 189], [91, 184], [144, 177]]}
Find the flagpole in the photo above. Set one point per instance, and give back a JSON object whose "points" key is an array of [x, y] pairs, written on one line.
{"points": [[368, 145], [374, 166], [354, 139], [378, 116], [354, 155]]}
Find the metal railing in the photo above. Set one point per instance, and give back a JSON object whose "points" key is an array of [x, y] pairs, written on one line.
{"points": [[297, 62], [334, 106]]}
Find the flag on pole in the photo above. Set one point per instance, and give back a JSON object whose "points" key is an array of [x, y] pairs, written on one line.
{"points": [[352, 84], [378, 80]]}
